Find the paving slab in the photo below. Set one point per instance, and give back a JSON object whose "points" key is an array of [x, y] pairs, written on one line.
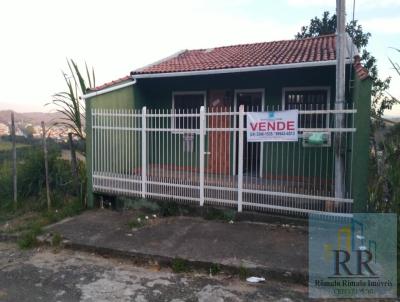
{"points": [[275, 250]]}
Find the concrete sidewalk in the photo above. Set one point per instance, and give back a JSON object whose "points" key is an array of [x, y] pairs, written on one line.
{"points": [[274, 251]]}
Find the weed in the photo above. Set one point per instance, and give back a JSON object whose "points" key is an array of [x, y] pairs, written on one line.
{"points": [[215, 269], [218, 214], [29, 240], [169, 209], [56, 239], [134, 224], [243, 273], [180, 265]]}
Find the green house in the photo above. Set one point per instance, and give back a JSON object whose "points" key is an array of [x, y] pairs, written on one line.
{"points": [[171, 130]]}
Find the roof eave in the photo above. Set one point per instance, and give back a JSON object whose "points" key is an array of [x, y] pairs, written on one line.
{"points": [[236, 70]]}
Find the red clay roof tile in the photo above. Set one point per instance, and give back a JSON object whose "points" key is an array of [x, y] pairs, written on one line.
{"points": [[317, 49], [248, 55]]}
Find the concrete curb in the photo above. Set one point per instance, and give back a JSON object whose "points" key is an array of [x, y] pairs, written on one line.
{"points": [[193, 265], [8, 237]]}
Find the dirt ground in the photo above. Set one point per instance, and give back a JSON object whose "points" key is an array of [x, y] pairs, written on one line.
{"points": [[45, 274]]}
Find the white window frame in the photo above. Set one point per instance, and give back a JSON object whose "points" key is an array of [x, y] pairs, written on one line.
{"points": [[185, 92], [235, 93], [309, 88]]}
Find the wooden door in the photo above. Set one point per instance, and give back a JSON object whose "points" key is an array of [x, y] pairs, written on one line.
{"points": [[218, 159]]}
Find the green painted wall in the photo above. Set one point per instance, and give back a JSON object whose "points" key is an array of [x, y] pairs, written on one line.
{"points": [[157, 94], [118, 99], [362, 100]]}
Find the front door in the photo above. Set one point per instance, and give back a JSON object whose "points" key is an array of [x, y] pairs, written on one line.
{"points": [[252, 101], [218, 160]]}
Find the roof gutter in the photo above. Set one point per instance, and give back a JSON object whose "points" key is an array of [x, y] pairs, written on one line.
{"points": [[108, 89], [236, 70]]}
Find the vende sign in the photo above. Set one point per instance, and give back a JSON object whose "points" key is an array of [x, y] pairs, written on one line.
{"points": [[272, 126]]}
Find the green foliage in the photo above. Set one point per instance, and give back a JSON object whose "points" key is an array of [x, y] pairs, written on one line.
{"points": [[180, 265], [243, 273], [68, 102], [29, 239], [56, 239], [384, 186], [169, 209], [381, 99], [136, 223], [31, 175], [219, 214], [215, 269]]}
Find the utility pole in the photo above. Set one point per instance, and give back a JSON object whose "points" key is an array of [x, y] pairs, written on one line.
{"points": [[14, 159], [340, 96], [46, 167]]}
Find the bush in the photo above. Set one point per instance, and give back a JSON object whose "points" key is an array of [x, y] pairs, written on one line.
{"points": [[180, 265], [29, 239], [56, 239]]}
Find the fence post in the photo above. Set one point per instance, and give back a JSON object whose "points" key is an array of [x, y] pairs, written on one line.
{"points": [[202, 138], [144, 160], [46, 167], [14, 160], [240, 158]]}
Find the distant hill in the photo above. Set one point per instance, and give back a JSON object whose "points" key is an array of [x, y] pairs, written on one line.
{"points": [[34, 118], [394, 119]]}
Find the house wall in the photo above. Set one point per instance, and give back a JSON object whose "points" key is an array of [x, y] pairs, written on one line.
{"points": [[362, 122], [157, 94], [118, 99]]}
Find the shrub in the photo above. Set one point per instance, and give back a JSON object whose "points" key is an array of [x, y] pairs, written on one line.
{"points": [[56, 239], [29, 239], [215, 269], [180, 265]]}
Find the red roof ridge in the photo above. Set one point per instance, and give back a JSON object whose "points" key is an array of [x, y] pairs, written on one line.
{"points": [[109, 84], [259, 43], [361, 71]]}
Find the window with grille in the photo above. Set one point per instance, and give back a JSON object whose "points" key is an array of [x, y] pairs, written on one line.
{"points": [[308, 99], [187, 103]]}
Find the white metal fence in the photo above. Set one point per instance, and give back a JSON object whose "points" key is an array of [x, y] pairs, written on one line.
{"points": [[203, 157]]}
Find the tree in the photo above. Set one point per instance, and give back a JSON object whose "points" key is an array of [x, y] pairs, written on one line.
{"points": [[68, 102], [381, 99]]}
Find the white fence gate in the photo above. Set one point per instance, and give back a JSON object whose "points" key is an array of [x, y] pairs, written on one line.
{"points": [[203, 157]]}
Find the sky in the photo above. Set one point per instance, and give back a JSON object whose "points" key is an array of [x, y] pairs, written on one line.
{"points": [[118, 36]]}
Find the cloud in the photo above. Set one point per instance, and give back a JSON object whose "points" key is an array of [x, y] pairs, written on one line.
{"points": [[360, 4], [383, 25]]}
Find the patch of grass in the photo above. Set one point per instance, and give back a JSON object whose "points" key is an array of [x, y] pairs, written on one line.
{"points": [[56, 239], [135, 224], [215, 269], [6, 146], [180, 265], [169, 208], [243, 273], [218, 214], [29, 240]]}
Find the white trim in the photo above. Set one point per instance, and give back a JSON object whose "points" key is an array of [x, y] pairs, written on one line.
{"points": [[108, 89], [185, 92], [235, 92], [236, 70], [309, 88]]}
